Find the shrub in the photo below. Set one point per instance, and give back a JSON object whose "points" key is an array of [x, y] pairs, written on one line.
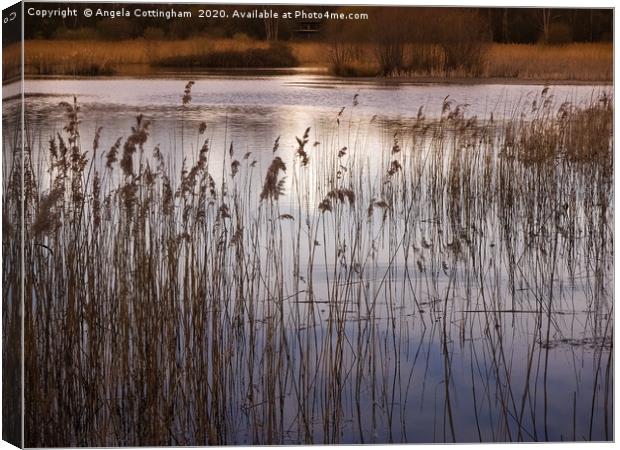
{"points": [[462, 39], [390, 36], [355, 69], [277, 55]]}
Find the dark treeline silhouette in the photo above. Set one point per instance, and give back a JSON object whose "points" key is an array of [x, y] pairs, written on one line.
{"points": [[526, 25], [506, 25]]}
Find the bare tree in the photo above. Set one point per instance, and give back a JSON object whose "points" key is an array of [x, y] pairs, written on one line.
{"points": [[505, 34], [544, 17], [345, 44], [390, 36], [462, 34], [271, 26], [271, 29]]}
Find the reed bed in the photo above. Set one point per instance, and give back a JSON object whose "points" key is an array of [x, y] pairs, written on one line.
{"points": [[583, 62], [11, 281], [421, 295], [11, 63], [575, 62], [92, 58]]}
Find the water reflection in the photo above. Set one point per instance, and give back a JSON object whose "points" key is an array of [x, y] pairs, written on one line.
{"points": [[462, 294]]}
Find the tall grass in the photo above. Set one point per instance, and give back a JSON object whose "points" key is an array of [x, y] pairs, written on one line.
{"points": [[93, 57], [584, 62], [326, 297], [575, 62], [578, 62], [12, 290]]}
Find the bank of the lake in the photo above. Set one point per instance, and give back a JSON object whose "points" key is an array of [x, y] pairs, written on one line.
{"points": [[588, 62]]}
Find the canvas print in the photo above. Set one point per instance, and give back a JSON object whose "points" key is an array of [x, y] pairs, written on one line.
{"points": [[306, 224]]}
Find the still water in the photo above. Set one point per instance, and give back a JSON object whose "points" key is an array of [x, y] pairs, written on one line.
{"points": [[251, 112], [282, 104], [430, 345]]}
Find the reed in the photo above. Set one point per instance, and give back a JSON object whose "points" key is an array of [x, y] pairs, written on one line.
{"points": [[574, 62], [569, 62], [583, 62], [200, 308]]}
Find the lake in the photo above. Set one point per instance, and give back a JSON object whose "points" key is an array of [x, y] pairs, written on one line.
{"points": [[439, 268]]}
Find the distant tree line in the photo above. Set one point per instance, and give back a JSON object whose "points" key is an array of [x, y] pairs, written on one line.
{"points": [[507, 25], [526, 25]]}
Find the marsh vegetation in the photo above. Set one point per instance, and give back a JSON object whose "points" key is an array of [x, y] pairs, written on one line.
{"points": [[454, 286], [414, 42], [574, 62]]}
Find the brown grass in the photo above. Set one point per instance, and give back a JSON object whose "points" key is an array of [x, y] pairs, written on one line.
{"points": [[572, 62], [579, 62], [10, 63], [584, 62], [69, 57]]}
